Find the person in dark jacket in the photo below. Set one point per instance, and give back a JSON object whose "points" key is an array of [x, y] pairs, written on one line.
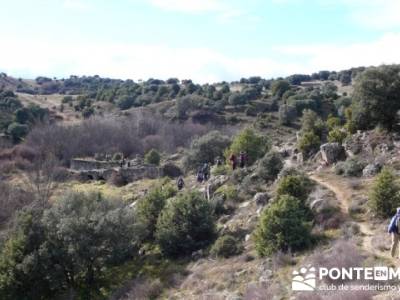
{"points": [[206, 171], [200, 176], [242, 159], [180, 183], [393, 229], [233, 161]]}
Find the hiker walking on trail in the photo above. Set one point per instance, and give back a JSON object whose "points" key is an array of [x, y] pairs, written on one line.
{"points": [[206, 171], [393, 229], [233, 161], [200, 176], [243, 159], [180, 183]]}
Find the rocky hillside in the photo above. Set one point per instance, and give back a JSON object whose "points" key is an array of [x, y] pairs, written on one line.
{"points": [[113, 189]]}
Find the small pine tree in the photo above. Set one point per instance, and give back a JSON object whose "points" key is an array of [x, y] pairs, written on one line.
{"points": [[152, 157], [253, 144], [186, 224], [283, 226], [384, 197], [297, 186]]}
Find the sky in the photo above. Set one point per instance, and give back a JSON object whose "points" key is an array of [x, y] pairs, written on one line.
{"points": [[204, 40]]}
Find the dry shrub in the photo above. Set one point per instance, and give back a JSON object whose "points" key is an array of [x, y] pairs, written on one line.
{"points": [[20, 151], [349, 230], [337, 295], [258, 291], [117, 179], [130, 136], [349, 295], [342, 254], [12, 199], [139, 289], [282, 259]]}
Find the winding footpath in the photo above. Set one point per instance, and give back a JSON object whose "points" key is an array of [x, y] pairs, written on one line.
{"points": [[343, 194]]}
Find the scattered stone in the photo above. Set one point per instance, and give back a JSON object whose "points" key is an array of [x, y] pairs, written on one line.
{"points": [[261, 199]]}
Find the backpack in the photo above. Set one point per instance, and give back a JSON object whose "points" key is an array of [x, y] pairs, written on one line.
{"points": [[397, 224]]}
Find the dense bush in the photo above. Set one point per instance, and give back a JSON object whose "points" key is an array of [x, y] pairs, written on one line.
{"points": [[17, 131], [270, 165], [152, 157], [309, 144], [279, 87], [375, 97], [298, 186], [206, 149], [287, 114], [352, 167], [384, 197], [284, 226], [337, 135], [149, 208], [67, 248], [185, 225], [253, 144], [226, 246]]}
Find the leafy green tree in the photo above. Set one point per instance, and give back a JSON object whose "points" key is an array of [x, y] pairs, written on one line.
{"points": [[376, 97], [206, 149], [279, 87], [333, 122], [309, 144], [237, 98], [22, 115], [283, 226], [125, 102], [310, 122], [68, 248], [152, 157], [183, 105], [226, 246], [384, 197], [149, 208], [270, 165], [253, 144], [297, 186], [185, 225], [336, 135], [17, 131], [26, 271]]}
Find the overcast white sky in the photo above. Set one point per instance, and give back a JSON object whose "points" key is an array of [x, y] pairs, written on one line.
{"points": [[206, 40]]}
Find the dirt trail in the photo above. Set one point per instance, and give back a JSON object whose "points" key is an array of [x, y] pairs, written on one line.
{"points": [[343, 194]]}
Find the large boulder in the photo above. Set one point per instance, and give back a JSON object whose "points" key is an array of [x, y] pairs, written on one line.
{"points": [[372, 169], [332, 153], [216, 182]]}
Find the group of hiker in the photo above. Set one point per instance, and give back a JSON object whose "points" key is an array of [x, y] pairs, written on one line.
{"points": [[242, 160], [203, 172]]}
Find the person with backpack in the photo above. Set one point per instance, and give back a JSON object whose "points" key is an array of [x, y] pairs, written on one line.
{"points": [[393, 229], [233, 161], [200, 176], [180, 183], [206, 171]]}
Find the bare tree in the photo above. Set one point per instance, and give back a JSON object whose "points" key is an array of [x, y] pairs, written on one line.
{"points": [[41, 179]]}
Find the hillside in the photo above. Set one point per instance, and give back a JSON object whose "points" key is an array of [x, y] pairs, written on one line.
{"points": [[167, 189]]}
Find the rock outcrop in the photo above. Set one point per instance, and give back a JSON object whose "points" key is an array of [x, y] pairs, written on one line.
{"points": [[332, 153]]}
